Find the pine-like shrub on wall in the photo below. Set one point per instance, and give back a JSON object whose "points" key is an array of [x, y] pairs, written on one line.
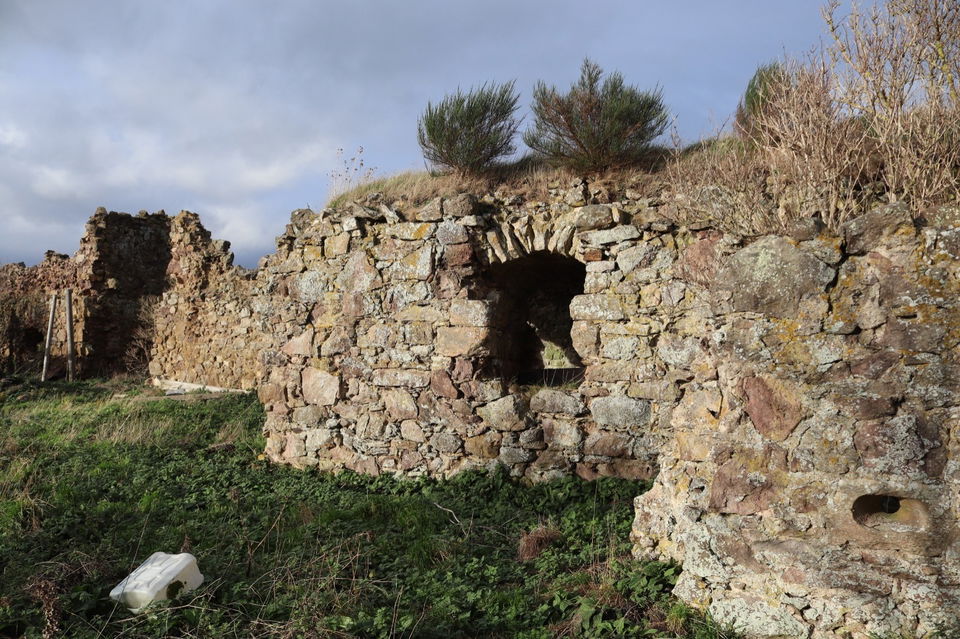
{"points": [[767, 81], [468, 132], [596, 125]]}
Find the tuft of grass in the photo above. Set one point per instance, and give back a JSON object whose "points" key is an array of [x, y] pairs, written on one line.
{"points": [[534, 542], [96, 477]]}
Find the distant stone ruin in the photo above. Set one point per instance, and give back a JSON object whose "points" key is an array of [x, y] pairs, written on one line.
{"points": [[116, 274], [795, 397]]}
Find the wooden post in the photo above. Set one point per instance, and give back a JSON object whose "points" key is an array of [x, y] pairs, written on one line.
{"points": [[70, 362], [49, 342]]}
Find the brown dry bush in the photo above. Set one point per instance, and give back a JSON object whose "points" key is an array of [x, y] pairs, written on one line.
{"points": [[723, 183], [873, 115], [819, 158], [898, 69], [534, 542]]}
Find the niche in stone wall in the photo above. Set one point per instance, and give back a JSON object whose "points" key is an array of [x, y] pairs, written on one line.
{"points": [[533, 309]]}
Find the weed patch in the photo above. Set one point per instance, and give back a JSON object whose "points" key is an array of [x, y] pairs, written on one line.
{"points": [[95, 479]]}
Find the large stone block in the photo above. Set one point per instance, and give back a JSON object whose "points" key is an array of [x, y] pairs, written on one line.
{"points": [[771, 276], [549, 400], [485, 446], [359, 275], [620, 411], [773, 406], [607, 444], [595, 216], [401, 377], [505, 414], [470, 312], [596, 307], [320, 387], [399, 404], [460, 341]]}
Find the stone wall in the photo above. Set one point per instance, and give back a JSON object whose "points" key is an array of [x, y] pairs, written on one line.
{"points": [[212, 321], [797, 393], [24, 310], [405, 332], [117, 270], [810, 482]]}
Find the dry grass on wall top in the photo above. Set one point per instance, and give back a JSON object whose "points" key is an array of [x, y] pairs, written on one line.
{"points": [[527, 178]]}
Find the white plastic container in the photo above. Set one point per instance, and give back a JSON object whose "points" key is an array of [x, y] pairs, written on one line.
{"points": [[157, 579]]}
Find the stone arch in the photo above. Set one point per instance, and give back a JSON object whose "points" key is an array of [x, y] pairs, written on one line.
{"points": [[532, 296]]}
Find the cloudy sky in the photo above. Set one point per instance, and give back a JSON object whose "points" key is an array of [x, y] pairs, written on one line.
{"points": [[235, 109]]}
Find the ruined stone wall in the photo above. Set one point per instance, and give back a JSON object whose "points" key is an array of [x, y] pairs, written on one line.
{"points": [[810, 481], [24, 310], [798, 394], [213, 319], [395, 358], [121, 266], [118, 268]]}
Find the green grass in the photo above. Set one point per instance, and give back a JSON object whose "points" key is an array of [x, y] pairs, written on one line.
{"points": [[91, 483]]}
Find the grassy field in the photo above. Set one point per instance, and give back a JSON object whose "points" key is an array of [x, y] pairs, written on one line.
{"points": [[96, 476]]}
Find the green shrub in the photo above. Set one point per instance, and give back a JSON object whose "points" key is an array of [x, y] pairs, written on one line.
{"points": [[468, 132], [760, 90], [596, 125]]}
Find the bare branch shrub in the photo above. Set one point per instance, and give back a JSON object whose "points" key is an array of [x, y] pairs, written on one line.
{"points": [[819, 157], [875, 114], [898, 68], [756, 98], [137, 356]]}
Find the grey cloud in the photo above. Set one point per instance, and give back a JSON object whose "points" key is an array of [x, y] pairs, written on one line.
{"points": [[236, 108]]}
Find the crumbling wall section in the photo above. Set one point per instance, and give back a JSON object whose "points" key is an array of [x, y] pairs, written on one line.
{"points": [[117, 269], [212, 321], [121, 266], [810, 483], [24, 311], [798, 393]]}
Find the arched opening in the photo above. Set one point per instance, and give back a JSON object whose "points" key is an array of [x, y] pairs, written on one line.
{"points": [[534, 311]]}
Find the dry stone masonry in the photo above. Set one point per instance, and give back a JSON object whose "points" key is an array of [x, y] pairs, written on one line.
{"points": [[212, 321], [466, 335], [810, 482], [116, 274], [795, 396]]}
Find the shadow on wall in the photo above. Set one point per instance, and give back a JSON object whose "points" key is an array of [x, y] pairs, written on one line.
{"points": [[533, 308]]}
